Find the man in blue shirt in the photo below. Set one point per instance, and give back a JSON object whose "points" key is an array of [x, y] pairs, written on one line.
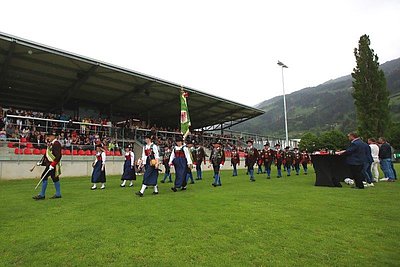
{"points": [[356, 158]]}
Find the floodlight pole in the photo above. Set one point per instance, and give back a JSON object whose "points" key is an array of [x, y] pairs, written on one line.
{"points": [[284, 102]]}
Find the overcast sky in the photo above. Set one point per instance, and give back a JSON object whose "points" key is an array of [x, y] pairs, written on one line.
{"points": [[227, 48]]}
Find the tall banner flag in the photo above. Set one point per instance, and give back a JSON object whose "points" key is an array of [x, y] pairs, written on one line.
{"points": [[185, 119]]}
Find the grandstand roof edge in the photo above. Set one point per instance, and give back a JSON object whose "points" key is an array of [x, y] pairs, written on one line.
{"points": [[33, 44]]}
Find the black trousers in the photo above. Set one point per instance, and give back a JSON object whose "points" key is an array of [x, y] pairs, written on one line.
{"points": [[357, 175]]}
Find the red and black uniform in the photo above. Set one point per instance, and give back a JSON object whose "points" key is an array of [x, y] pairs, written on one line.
{"points": [[251, 159], [217, 159], [305, 159], [268, 156], [235, 161], [288, 160], [199, 157], [278, 161], [260, 161], [53, 169], [53, 149], [297, 161]]}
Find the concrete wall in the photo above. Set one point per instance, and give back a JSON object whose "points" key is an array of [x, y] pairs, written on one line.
{"points": [[78, 166]]}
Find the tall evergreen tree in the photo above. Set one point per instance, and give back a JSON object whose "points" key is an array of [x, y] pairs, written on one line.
{"points": [[370, 94]]}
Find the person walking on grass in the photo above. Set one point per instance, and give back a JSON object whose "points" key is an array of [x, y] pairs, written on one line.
{"points": [[278, 159], [129, 173], [251, 159], [166, 157], [189, 174], [150, 160], [99, 168], [217, 159], [199, 159], [235, 161], [268, 156], [51, 160], [182, 161]]}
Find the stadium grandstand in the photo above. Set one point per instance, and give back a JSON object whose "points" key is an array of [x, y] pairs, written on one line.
{"points": [[87, 101]]}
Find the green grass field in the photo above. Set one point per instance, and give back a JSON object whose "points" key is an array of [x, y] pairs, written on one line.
{"points": [[277, 222]]}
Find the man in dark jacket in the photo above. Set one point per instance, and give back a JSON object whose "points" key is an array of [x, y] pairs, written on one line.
{"points": [[385, 158], [355, 158], [53, 167]]}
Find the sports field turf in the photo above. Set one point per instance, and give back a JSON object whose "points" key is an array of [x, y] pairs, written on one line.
{"points": [[277, 222]]}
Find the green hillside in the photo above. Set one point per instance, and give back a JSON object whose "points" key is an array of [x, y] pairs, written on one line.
{"points": [[324, 107]]}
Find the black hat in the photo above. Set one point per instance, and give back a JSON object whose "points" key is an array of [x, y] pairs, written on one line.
{"points": [[296, 148], [148, 135], [288, 147], [250, 141], [129, 146], [277, 144], [99, 145], [266, 144], [179, 138]]}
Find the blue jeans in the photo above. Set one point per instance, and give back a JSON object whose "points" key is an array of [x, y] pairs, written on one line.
{"points": [[386, 166], [198, 171], [366, 174], [234, 170]]}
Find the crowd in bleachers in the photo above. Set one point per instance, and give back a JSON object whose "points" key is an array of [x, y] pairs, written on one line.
{"points": [[83, 134]]}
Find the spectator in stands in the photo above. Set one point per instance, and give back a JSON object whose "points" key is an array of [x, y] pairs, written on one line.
{"points": [[3, 134], [10, 130]]}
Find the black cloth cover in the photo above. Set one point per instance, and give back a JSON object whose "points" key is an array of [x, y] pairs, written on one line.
{"points": [[330, 170]]}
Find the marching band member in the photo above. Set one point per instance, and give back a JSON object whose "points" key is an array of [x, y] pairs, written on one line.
{"points": [[181, 160], [268, 156], [53, 167], [217, 159], [200, 157], [150, 158], [129, 173], [251, 156], [99, 168], [166, 157], [235, 161], [278, 159]]}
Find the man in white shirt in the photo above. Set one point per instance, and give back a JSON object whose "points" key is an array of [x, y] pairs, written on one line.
{"points": [[375, 156]]}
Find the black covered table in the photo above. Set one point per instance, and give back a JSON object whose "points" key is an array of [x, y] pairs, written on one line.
{"points": [[330, 170]]}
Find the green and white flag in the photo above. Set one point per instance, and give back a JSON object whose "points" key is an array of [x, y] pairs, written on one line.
{"points": [[185, 119]]}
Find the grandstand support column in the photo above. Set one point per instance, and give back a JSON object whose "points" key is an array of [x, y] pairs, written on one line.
{"points": [[222, 129], [111, 112]]}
